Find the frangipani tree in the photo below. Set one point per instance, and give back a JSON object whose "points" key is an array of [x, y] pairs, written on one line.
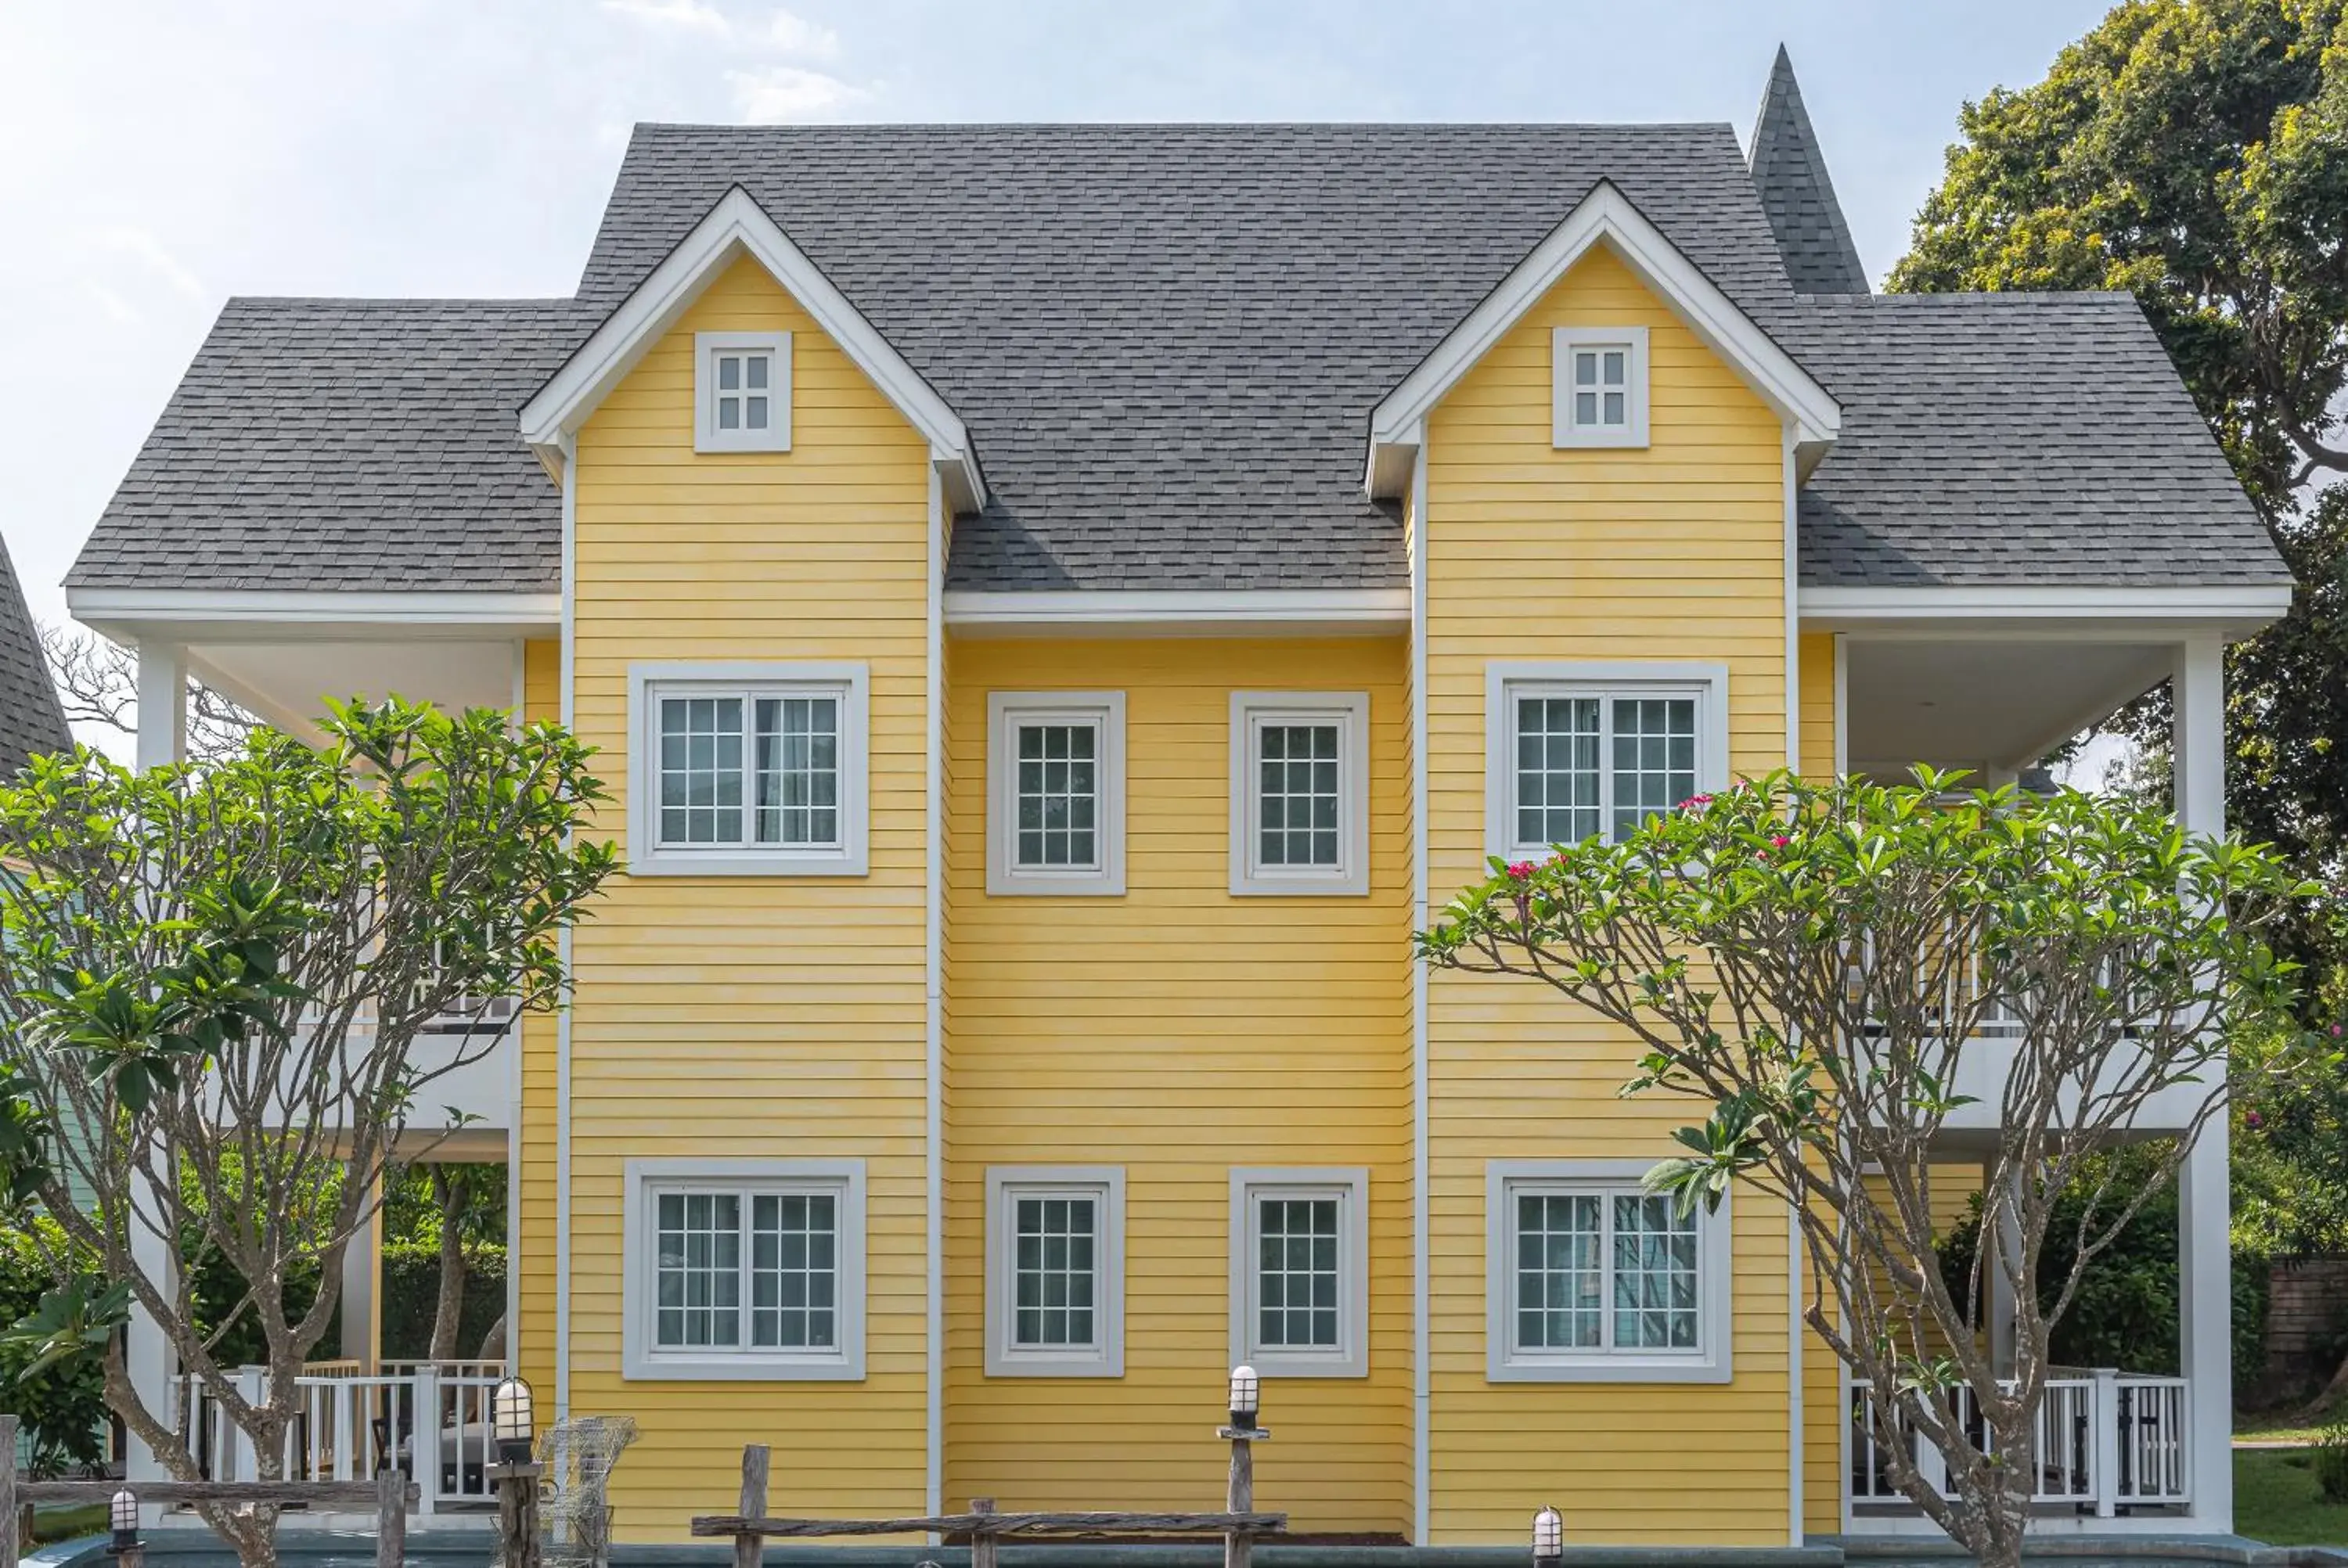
{"points": [[214, 983], [1812, 965]]}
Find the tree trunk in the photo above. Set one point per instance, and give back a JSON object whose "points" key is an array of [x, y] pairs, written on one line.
{"points": [[449, 1193]]}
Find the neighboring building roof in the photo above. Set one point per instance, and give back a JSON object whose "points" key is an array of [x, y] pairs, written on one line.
{"points": [[1164, 342], [31, 724], [1789, 171]]}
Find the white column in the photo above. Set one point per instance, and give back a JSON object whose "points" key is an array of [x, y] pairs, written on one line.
{"points": [[162, 740], [2205, 1260], [362, 1292]]}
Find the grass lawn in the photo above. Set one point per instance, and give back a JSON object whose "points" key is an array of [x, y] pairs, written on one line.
{"points": [[65, 1523], [2276, 1501], [2282, 1429]]}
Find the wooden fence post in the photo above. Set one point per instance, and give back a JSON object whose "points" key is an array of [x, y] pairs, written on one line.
{"points": [[749, 1547], [11, 1548], [982, 1543], [390, 1518], [1239, 1546]]}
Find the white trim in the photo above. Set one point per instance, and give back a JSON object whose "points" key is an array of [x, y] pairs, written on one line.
{"points": [[739, 226], [1350, 713], [707, 435], [1842, 705], [1105, 712], [640, 1361], [847, 682], [1105, 1185], [933, 1014], [1607, 216], [1349, 1185], [1793, 613], [1715, 1261], [1177, 612], [513, 613], [1705, 681], [1422, 1379], [567, 698], [2239, 609], [1796, 1416], [1567, 433]]}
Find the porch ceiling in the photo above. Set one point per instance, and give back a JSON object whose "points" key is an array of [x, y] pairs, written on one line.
{"points": [[1984, 702], [288, 683]]}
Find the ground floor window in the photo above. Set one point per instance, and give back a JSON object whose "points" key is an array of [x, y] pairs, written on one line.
{"points": [[1056, 1271], [1300, 1271]]}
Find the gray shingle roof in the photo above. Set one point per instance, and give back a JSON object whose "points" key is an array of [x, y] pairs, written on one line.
{"points": [[1166, 341], [1789, 171], [31, 722], [346, 444]]}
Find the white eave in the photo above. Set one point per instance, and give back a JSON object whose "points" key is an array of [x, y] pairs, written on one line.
{"points": [[1604, 217], [1180, 612], [737, 226], [183, 614], [2234, 610]]}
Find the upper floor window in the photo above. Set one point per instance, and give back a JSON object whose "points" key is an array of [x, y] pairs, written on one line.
{"points": [[1056, 789], [1300, 1271], [1583, 750], [748, 769], [1300, 792], [1592, 1277], [742, 392], [1600, 387]]}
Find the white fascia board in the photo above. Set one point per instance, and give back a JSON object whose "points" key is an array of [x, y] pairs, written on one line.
{"points": [[2237, 610], [298, 608], [1176, 611], [1607, 216], [739, 226]]}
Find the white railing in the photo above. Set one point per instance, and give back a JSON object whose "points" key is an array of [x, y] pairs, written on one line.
{"points": [[430, 1421], [2102, 1442]]}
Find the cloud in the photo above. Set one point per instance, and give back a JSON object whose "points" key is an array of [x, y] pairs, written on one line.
{"points": [[775, 94], [142, 245], [678, 15], [796, 37]]}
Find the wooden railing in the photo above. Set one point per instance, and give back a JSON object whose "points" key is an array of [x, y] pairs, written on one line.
{"points": [[2102, 1442]]}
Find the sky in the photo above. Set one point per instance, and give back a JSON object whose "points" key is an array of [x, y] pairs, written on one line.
{"points": [[157, 156]]}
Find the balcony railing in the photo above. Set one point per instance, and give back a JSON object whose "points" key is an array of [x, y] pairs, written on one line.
{"points": [[352, 1425], [2104, 1441]]}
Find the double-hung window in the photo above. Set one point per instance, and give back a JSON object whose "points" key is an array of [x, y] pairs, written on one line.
{"points": [[742, 392], [745, 1270], [1592, 1277], [1300, 792], [1300, 1271], [748, 769], [1056, 792], [1056, 1271], [1577, 750], [1601, 391]]}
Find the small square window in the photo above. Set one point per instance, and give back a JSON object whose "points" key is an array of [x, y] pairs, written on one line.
{"points": [[1300, 792], [1056, 1266], [742, 392], [1300, 1279], [1055, 767], [1577, 750], [1600, 395]]}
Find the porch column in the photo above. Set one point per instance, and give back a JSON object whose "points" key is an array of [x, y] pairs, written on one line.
{"points": [[363, 1293], [2205, 1260], [162, 740]]}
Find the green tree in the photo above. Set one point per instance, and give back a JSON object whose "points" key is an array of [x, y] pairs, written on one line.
{"points": [[1812, 966], [218, 978]]}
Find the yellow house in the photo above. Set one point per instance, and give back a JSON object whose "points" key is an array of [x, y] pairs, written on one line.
{"points": [[1058, 606]]}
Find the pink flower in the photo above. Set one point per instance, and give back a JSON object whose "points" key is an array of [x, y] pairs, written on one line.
{"points": [[2336, 1031], [1694, 801], [1521, 871], [2253, 1121], [1779, 841]]}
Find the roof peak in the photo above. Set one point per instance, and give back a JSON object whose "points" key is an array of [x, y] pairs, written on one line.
{"points": [[1789, 171], [32, 723]]}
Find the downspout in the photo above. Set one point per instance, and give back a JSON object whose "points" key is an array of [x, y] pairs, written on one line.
{"points": [[1421, 1376], [1796, 1417], [933, 1016], [562, 1015]]}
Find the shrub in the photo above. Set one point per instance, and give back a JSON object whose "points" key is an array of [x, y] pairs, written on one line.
{"points": [[411, 1289], [2331, 1460], [63, 1406]]}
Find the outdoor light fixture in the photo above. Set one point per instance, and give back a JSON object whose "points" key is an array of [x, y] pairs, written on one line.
{"points": [[509, 1414], [123, 1515], [1247, 1395], [1548, 1538]]}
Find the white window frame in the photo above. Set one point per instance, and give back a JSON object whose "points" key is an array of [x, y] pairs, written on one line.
{"points": [[1505, 681], [1104, 1186], [706, 436], [1005, 711], [642, 1360], [1563, 343], [1349, 1185], [1708, 1362], [1350, 713], [849, 683]]}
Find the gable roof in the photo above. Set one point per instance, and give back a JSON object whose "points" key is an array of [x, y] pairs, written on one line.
{"points": [[32, 723], [1789, 171]]}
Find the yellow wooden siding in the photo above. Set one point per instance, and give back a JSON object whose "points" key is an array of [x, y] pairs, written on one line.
{"points": [[1179, 1031], [1674, 552], [755, 1017], [533, 1333]]}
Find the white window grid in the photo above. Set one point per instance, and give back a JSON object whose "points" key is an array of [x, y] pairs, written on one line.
{"points": [[1300, 1271], [1300, 792], [1600, 387], [1056, 1244], [742, 392], [1056, 793], [1577, 750]]}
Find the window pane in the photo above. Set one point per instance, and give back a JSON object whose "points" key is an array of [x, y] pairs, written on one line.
{"points": [[1299, 795], [794, 1243], [701, 770], [729, 372], [1557, 1271], [754, 372], [1557, 768], [1654, 1290], [1054, 1279], [1614, 362], [1614, 409], [1057, 790], [730, 413], [1585, 408], [697, 1270], [1297, 1282], [755, 412], [798, 771], [1585, 368], [1654, 758]]}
